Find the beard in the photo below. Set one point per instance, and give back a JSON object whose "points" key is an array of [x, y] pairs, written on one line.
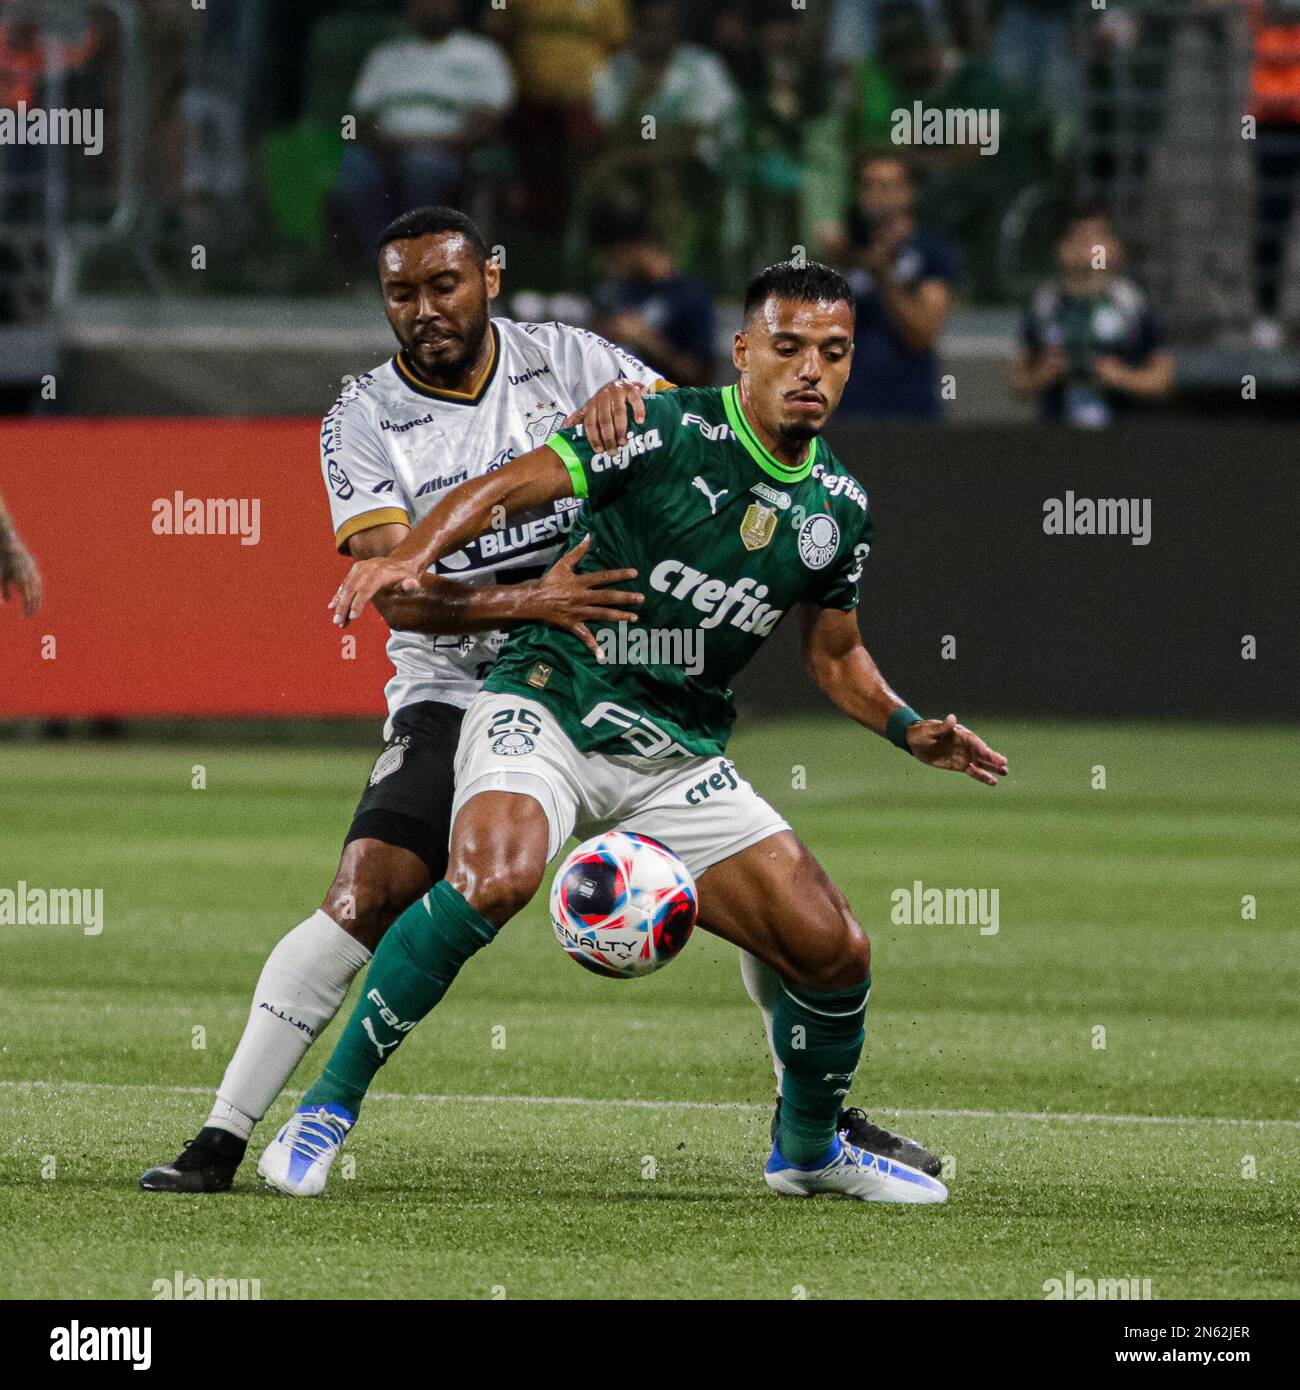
{"points": [[799, 432], [445, 366]]}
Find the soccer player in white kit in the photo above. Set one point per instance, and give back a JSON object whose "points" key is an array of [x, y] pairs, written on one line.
{"points": [[464, 394]]}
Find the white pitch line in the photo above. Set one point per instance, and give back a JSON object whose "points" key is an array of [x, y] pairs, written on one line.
{"points": [[1038, 1116]]}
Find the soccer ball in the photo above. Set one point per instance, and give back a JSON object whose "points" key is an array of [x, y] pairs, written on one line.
{"points": [[623, 905]]}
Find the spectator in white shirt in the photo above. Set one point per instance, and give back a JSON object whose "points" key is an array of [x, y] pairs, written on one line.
{"points": [[423, 105], [685, 87]]}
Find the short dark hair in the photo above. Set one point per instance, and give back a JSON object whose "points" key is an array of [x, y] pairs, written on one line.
{"points": [[803, 281], [434, 221]]}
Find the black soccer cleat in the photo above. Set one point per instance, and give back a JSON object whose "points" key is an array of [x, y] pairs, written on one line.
{"points": [[858, 1129], [207, 1163]]}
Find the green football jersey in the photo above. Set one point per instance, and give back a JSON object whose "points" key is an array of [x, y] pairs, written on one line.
{"points": [[725, 538]]}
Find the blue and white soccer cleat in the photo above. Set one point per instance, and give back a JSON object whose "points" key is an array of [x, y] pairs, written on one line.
{"points": [[298, 1159], [853, 1172]]}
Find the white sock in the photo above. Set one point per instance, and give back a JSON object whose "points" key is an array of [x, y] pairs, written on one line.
{"points": [[763, 985], [302, 986]]}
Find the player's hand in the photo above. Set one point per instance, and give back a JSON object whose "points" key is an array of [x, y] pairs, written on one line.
{"points": [[564, 599], [367, 578], [19, 575], [946, 744], [604, 417]]}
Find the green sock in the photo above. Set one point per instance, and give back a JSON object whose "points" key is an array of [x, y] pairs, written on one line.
{"points": [[819, 1040], [417, 960], [774, 1124]]}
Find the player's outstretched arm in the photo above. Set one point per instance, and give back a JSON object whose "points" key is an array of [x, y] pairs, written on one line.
{"points": [[561, 598], [464, 513], [843, 668]]}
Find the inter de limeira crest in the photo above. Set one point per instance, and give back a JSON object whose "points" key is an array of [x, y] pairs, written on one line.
{"points": [[758, 526]]}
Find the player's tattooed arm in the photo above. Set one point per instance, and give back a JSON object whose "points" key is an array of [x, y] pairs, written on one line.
{"points": [[844, 670], [465, 512]]}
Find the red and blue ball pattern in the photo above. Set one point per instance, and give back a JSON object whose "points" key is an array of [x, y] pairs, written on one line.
{"points": [[623, 905]]}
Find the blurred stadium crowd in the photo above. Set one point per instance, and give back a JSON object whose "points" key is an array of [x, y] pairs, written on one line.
{"points": [[636, 160]]}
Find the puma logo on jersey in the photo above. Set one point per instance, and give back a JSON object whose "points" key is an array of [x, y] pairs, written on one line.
{"points": [[714, 497], [740, 603]]}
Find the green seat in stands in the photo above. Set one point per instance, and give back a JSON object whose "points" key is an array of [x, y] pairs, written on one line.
{"points": [[301, 163]]}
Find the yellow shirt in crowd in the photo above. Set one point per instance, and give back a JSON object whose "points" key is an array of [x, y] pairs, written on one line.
{"points": [[555, 46]]}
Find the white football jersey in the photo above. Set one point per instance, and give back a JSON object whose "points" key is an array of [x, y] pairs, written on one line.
{"points": [[391, 447]]}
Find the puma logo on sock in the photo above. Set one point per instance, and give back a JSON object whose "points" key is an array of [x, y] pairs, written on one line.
{"points": [[381, 1048]]}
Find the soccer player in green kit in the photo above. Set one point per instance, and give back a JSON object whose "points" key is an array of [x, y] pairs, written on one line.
{"points": [[732, 510]]}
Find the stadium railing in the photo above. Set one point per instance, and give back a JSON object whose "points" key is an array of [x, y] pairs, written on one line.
{"points": [[53, 214], [1162, 146]]}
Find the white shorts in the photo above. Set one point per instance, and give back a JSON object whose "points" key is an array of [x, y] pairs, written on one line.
{"points": [[700, 807]]}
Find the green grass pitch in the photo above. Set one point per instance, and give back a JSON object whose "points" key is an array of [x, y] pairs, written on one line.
{"points": [[613, 1145]]}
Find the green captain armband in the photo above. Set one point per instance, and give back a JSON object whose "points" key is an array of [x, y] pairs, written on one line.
{"points": [[897, 725]]}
